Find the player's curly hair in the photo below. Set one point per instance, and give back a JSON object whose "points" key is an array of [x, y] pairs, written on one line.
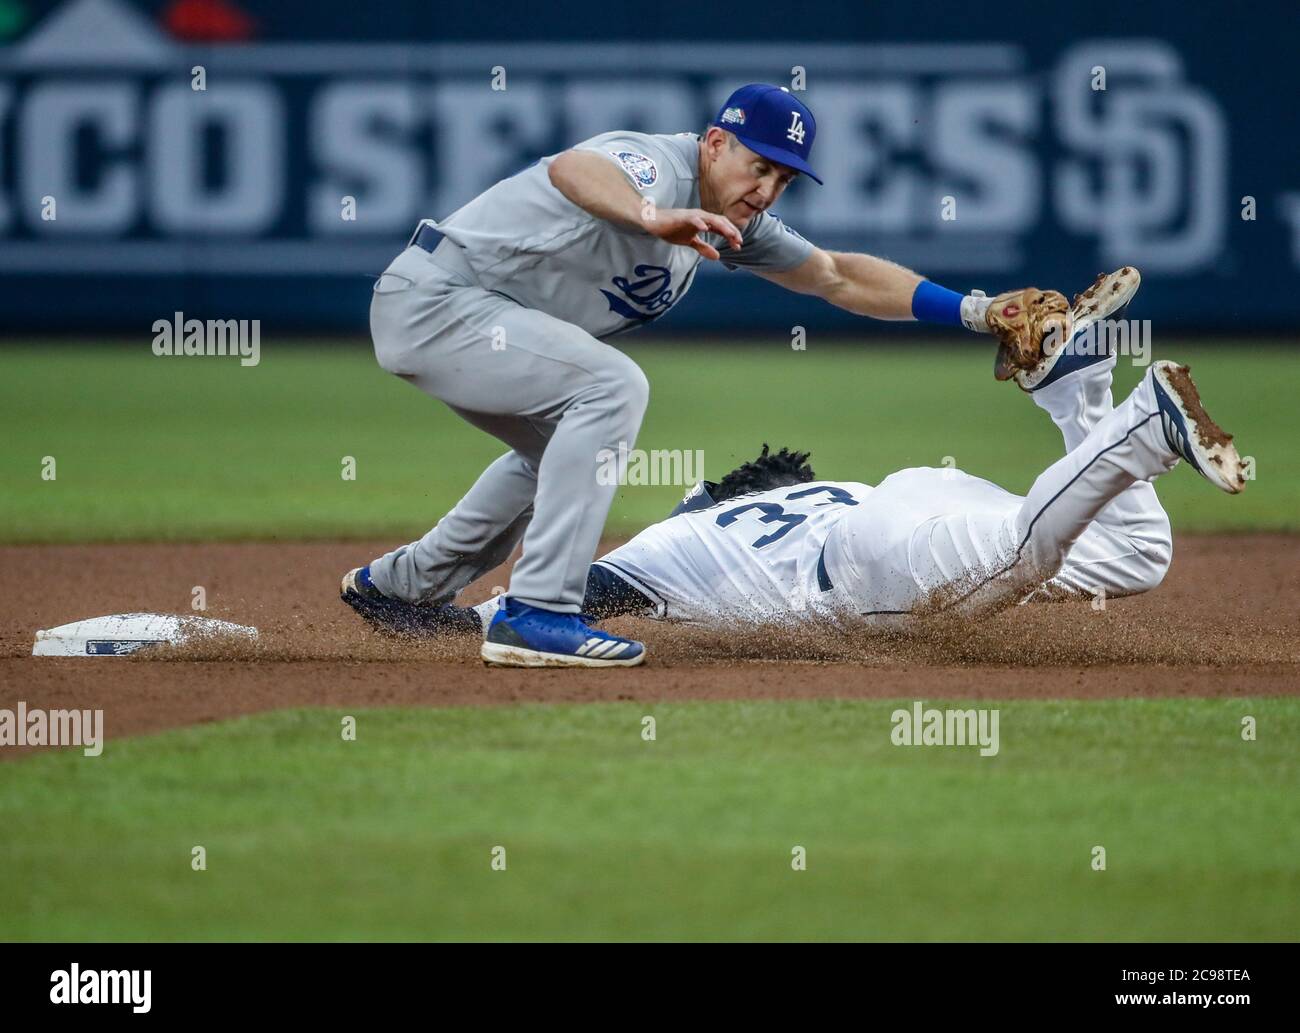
{"points": [[764, 473]]}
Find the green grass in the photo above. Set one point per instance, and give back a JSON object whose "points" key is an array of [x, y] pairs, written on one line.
{"points": [[152, 448], [690, 836]]}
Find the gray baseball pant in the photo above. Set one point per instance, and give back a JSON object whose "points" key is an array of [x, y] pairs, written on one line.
{"points": [[548, 389]]}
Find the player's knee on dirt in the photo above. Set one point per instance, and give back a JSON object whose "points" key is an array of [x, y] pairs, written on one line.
{"points": [[1148, 550], [1149, 575], [1155, 547]]}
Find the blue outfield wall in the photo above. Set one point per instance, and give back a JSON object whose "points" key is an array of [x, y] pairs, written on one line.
{"points": [[989, 147]]}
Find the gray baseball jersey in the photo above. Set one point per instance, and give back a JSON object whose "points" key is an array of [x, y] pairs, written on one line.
{"points": [[527, 241]]}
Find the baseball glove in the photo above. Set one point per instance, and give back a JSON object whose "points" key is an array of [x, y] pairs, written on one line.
{"points": [[1022, 320]]}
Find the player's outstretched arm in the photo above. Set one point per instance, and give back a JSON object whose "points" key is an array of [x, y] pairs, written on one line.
{"points": [[862, 284], [1022, 320]]}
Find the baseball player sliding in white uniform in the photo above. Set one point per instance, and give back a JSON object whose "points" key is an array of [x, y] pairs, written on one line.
{"points": [[927, 540], [501, 311]]}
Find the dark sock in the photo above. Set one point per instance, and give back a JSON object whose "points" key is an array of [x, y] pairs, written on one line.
{"points": [[608, 595]]}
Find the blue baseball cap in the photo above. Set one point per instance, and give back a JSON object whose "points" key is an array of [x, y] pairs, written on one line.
{"points": [[771, 122]]}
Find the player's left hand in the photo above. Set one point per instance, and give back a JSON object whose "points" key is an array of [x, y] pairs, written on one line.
{"points": [[1024, 321]]}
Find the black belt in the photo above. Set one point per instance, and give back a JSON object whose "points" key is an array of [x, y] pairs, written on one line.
{"points": [[426, 238], [452, 259]]}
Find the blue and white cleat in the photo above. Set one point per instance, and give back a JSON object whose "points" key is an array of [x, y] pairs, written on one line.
{"points": [[1089, 344], [529, 636], [1191, 433]]}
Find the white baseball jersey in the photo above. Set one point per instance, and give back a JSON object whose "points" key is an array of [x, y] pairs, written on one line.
{"points": [[755, 557], [528, 242], [843, 550]]}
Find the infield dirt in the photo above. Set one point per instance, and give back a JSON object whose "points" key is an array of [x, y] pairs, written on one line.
{"points": [[1226, 622]]}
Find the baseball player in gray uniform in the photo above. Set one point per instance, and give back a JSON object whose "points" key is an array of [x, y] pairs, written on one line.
{"points": [[502, 310]]}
